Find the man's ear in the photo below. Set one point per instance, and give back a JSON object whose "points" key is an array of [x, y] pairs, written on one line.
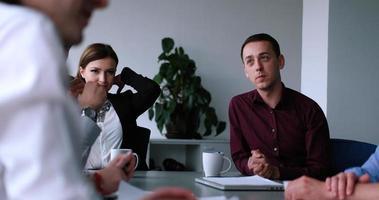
{"points": [[281, 61]]}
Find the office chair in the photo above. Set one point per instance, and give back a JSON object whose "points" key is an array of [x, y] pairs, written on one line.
{"points": [[139, 142], [349, 153]]}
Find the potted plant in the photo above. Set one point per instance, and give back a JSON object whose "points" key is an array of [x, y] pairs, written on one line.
{"points": [[183, 106]]}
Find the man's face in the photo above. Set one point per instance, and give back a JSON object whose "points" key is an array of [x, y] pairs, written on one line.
{"points": [[70, 16], [261, 65]]}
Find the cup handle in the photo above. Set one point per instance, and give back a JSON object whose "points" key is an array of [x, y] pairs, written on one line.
{"points": [[230, 165], [135, 155]]}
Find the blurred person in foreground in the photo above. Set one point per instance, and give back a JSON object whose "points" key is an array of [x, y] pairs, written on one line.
{"points": [[38, 155]]}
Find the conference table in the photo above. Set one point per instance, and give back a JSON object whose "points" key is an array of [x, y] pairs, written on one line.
{"points": [[144, 181]]}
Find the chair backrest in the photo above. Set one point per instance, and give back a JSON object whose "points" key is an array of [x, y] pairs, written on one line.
{"points": [[139, 143], [349, 153]]}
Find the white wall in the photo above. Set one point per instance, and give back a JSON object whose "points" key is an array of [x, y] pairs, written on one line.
{"points": [[353, 72], [340, 64], [211, 31], [314, 65]]}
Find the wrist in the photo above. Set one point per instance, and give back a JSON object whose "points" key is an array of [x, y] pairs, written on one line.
{"points": [[90, 112], [98, 182], [127, 75]]}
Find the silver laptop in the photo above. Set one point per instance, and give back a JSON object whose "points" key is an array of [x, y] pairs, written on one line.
{"points": [[241, 183]]}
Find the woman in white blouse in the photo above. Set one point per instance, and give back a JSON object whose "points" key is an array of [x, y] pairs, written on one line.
{"points": [[117, 117]]}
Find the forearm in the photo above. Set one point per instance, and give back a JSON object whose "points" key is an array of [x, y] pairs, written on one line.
{"points": [[365, 191], [317, 145], [240, 150], [147, 90], [240, 154], [137, 81]]}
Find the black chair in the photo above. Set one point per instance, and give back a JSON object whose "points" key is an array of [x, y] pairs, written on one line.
{"points": [[349, 153], [139, 144]]}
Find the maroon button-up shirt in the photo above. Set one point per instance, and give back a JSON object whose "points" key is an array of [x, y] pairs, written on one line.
{"points": [[294, 136]]}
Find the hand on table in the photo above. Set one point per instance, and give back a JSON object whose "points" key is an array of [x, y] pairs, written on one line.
{"points": [[258, 164], [343, 184], [114, 172], [306, 188]]}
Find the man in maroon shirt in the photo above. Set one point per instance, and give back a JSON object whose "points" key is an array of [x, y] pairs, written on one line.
{"points": [[275, 132]]}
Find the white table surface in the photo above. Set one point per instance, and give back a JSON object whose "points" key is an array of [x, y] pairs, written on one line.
{"points": [[145, 181]]}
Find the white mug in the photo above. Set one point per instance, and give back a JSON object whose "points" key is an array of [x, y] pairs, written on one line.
{"points": [[213, 163], [115, 152]]}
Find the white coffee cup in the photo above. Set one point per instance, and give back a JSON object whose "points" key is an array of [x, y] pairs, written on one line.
{"points": [[213, 163], [115, 152]]}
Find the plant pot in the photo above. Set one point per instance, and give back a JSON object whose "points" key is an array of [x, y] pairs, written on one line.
{"points": [[176, 136], [180, 130]]}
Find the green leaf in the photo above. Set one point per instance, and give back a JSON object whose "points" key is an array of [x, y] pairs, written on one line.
{"points": [[211, 115], [196, 83], [158, 111], [167, 118], [220, 127], [207, 124], [160, 127], [208, 132], [176, 51], [191, 68], [167, 44], [171, 107], [182, 64], [183, 98], [190, 101], [163, 56], [171, 71], [205, 96], [181, 51], [151, 113], [158, 78], [163, 69]]}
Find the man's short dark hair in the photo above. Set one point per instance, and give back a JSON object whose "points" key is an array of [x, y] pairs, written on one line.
{"points": [[262, 37], [10, 1]]}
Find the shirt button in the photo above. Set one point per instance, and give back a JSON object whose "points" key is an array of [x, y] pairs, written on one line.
{"points": [[273, 130], [271, 111], [275, 149]]}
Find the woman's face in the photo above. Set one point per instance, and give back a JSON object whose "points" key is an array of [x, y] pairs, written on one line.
{"points": [[101, 71]]}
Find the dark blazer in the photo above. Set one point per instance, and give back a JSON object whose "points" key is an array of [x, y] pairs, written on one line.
{"points": [[129, 106]]}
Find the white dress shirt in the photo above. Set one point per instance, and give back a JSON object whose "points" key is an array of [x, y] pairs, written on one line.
{"points": [[110, 138], [38, 121]]}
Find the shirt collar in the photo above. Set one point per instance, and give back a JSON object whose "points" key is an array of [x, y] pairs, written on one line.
{"points": [[103, 110], [257, 99]]}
